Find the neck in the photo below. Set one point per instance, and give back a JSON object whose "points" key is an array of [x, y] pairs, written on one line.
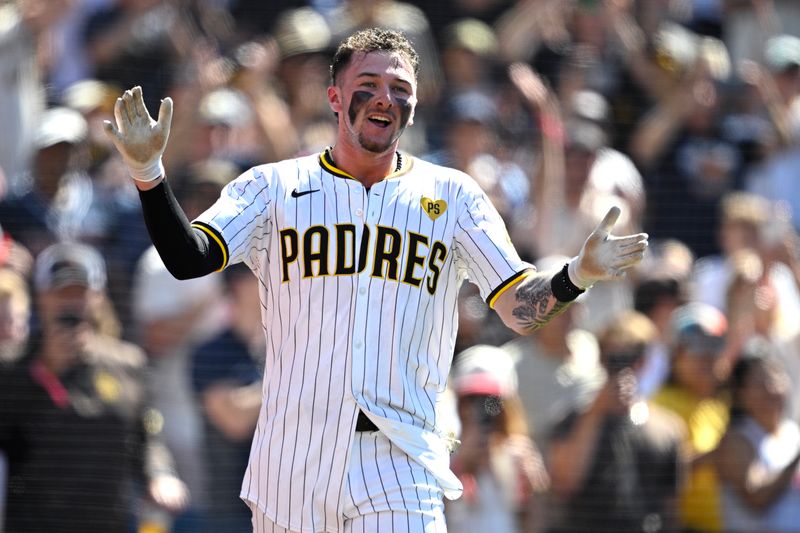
{"points": [[367, 167]]}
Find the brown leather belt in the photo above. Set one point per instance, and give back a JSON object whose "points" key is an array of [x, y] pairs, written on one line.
{"points": [[363, 423]]}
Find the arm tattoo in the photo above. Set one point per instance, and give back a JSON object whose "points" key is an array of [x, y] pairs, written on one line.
{"points": [[537, 305]]}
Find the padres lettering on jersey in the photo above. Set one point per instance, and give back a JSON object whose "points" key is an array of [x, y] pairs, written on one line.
{"points": [[359, 291], [323, 255]]}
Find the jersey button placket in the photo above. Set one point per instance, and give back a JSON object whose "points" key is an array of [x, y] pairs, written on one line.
{"points": [[362, 304]]}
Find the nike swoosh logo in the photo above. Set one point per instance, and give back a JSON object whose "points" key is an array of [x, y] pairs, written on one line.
{"points": [[298, 194]]}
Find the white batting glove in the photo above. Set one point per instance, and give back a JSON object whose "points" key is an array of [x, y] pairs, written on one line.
{"points": [[140, 139], [605, 257]]}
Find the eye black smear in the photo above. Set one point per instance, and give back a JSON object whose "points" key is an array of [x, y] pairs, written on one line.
{"points": [[405, 111], [357, 102]]}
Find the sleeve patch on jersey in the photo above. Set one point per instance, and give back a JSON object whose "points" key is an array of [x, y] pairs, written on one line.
{"points": [[216, 237], [503, 287], [433, 208]]}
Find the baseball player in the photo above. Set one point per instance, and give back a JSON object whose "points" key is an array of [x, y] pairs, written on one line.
{"points": [[360, 252]]}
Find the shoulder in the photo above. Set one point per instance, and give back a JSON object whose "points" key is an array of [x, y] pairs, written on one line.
{"points": [[269, 175], [457, 187]]}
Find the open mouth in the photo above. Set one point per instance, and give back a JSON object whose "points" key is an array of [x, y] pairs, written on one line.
{"points": [[380, 121]]}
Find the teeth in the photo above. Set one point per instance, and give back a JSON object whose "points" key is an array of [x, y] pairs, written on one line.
{"points": [[380, 119]]}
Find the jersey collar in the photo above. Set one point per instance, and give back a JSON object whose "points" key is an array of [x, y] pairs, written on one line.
{"points": [[326, 162]]}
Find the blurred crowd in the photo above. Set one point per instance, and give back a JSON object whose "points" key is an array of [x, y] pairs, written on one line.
{"points": [[666, 402]]}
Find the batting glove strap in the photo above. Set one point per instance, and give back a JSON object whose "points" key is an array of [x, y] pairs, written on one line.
{"points": [[574, 278], [563, 288], [150, 171]]}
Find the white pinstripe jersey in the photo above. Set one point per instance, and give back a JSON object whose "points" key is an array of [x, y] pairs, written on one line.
{"points": [[358, 290]]}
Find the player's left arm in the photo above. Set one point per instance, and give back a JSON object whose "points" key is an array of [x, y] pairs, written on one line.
{"points": [[540, 296], [531, 303]]}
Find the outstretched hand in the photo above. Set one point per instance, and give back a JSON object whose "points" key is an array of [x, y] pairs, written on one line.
{"points": [[605, 257], [140, 139]]}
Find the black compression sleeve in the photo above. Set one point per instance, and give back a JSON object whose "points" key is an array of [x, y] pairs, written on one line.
{"points": [[187, 252]]}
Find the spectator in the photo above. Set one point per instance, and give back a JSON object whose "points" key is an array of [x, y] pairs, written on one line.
{"points": [[696, 340], [751, 227], [227, 374], [748, 25], [147, 42], [24, 31], [501, 470], [53, 202], [616, 466], [303, 38], [778, 83], [73, 418], [469, 50], [661, 287], [684, 155], [757, 460]]}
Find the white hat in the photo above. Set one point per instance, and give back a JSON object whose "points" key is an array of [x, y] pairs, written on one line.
{"points": [[69, 263], [226, 107], [60, 125], [484, 369]]}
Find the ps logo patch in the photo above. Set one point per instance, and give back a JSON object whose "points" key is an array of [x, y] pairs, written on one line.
{"points": [[434, 209]]}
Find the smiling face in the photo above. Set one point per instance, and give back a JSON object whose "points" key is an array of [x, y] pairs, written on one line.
{"points": [[374, 97]]}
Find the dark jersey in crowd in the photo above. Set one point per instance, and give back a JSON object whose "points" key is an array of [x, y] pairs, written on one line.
{"points": [[632, 483], [225, 359], [76, 443]]}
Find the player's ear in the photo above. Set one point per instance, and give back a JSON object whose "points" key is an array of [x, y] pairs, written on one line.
{"points": [[334, 99]]}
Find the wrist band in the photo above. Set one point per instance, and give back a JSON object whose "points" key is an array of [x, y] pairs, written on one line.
{"points": [[146, 173], [563, 288]]}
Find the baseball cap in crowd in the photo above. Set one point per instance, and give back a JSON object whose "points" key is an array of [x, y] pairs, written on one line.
{"points": [[782, 52], [472, 106], [484, 370], [472, 35], [89, 95], [302, 31], [68, 263], [225, 107], [60, 125], [698, 328]]}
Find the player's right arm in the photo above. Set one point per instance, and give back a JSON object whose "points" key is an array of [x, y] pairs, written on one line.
{"points": [[187, 252]]}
